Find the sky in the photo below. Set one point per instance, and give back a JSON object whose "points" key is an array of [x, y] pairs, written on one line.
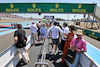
{"points": [[63, 16]]}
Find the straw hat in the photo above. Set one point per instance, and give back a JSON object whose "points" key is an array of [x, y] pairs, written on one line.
{"points": [[79, 32], [44, 25]]}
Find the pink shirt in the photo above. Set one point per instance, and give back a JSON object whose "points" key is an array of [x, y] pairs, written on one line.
{"points": [[80, 45]]}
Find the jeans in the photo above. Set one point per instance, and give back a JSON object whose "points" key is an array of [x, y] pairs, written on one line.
{"points": [[75, 61]]}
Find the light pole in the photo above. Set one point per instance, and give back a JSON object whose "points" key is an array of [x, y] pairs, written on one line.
{"points": [[74, 18], [68, 17]]}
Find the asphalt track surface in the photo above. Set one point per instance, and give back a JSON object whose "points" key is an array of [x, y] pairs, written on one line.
{"points": [[92, 41], [7, 40]]}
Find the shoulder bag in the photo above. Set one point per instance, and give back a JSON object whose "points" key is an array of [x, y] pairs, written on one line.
{"points": [[70, 56]]}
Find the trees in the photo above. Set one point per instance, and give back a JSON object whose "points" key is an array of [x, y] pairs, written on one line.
{"points": [[60, 19]]}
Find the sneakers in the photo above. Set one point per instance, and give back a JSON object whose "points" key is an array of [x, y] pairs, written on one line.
{"points": [[54, 53], [53, 50], [61, 53], [28, 62]]}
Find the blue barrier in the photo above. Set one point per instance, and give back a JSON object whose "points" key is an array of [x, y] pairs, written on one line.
{"points": [[94, 53], [2, 29], [5, 32]]}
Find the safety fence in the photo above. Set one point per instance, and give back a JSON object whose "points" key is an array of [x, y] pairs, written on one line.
{"points": [[86, 61]]}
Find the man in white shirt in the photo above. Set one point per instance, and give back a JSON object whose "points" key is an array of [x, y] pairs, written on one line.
{"points": [[65, 33], [34, 29], [55, 34], [39, 23]]}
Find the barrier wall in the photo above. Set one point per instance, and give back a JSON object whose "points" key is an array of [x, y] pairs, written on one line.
{"points": [[11, 57], [92, 34], [86, 61]]}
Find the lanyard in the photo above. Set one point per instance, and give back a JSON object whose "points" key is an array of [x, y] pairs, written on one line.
{"points": [[76, 42]]}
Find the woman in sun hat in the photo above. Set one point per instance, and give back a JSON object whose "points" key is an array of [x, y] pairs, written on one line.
{"points": [[79, 45]]}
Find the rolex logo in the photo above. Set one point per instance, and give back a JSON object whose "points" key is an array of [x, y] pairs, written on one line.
{"points": [[34, 5], [79, 5], [56, 5], [11, 5], [93, 33]]}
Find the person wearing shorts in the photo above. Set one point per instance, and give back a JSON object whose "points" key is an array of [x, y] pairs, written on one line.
{"points": [[55, 35], [55, 41]]}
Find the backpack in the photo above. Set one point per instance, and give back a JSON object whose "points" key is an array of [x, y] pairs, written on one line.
{"points": [[21, 38], [23, 41]]}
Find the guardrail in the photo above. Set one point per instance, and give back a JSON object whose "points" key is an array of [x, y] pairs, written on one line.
{"points": [[11, 57], [86, 61]]}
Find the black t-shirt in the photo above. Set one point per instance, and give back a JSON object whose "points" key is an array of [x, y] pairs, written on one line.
{"points": [[19, 33]]}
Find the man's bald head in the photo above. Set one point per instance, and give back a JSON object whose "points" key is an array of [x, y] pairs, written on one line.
{"points": [[32, 22]]}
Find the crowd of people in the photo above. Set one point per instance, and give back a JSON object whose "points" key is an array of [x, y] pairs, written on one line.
{"points": [[14, 25], [65, 35], [38, 29]]}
